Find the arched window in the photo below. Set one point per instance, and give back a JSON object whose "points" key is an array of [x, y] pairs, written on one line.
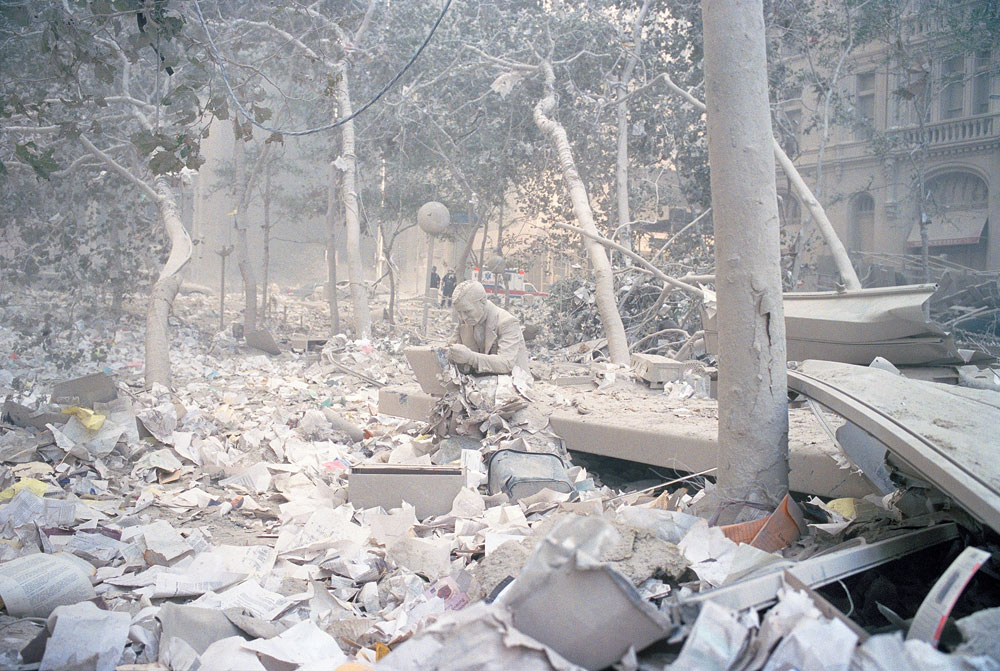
{"points": [[862, 224], [956, 209], [957, 191]]}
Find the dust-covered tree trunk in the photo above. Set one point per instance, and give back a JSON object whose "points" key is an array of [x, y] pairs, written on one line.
{"points": [[266, 229], [240, 190], [463, 258], [621, 109], [331, 249], [165, 289], [607, 308], [753, 405], [355, 269]]}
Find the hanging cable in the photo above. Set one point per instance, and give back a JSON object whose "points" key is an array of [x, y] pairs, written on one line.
{"points": [[221, 64]]}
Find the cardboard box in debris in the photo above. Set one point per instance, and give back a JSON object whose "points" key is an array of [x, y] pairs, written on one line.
{"points": [[264, 515]]}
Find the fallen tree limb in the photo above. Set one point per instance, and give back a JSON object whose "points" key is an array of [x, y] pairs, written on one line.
{"points": [[659, 274]]}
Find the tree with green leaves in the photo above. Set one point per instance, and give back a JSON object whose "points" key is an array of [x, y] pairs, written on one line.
{"points": [[111, 88]]}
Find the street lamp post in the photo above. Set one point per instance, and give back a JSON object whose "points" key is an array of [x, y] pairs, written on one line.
{"points": [[433, 219]]}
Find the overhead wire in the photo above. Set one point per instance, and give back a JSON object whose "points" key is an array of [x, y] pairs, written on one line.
{"points": [[221, 64]]}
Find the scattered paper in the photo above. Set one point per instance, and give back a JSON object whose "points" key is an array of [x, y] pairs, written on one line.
{"points": [[303, 643], [34, 585], [85, 635]]}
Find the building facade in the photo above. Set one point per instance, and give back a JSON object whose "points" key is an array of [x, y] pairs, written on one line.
{"points": [[930, 126]]}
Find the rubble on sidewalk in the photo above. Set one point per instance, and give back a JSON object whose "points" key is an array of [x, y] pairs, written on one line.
{"points": [[267, 513]]}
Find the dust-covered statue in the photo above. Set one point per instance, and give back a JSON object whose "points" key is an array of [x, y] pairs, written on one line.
{"points": [[488, 339]]}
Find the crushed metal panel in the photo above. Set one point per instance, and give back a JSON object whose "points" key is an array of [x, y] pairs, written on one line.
{"points": [[946, 434], [761, 590], [857, 326]]}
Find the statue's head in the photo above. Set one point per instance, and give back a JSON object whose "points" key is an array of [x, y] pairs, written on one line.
{"points": [[469, 301]]}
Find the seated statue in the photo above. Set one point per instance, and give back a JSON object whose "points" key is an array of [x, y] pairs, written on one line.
{"points": [[488, 339]]}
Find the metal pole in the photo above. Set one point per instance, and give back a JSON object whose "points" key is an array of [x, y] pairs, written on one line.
{"points": [[427, 280], [223, 253], [222, 296]]}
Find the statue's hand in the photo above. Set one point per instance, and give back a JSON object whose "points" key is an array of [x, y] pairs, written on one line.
{"points": [[461, 354]]}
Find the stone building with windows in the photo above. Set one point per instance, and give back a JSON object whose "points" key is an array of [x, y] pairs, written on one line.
{"points": [[917, 117]]}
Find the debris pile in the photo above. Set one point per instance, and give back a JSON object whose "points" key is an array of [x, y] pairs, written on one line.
{"points": [[264, 514], [654, 319]]}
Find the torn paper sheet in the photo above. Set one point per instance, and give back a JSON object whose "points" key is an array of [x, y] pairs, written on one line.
{"points": [[189, 577], [96, 442], [198, 627], [229, 654], [478, 638], [84, 636], [96, 548], [718, 560], [26, 508], [164, 545], [248, 596], [715, 642], [303, 643], [552, 599], [254, 480], [34, 585], [160, 421], [821, 644], [429, 557]]}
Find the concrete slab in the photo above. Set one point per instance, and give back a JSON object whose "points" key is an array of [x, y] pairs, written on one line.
{"points": [[690, 444], [406, 400]]}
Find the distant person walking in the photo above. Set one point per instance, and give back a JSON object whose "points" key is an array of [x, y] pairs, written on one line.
{"points": [[448, 288], [435, 278]]}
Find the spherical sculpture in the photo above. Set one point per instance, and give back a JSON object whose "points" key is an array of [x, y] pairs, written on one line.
{"points": [[433, 218]]}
